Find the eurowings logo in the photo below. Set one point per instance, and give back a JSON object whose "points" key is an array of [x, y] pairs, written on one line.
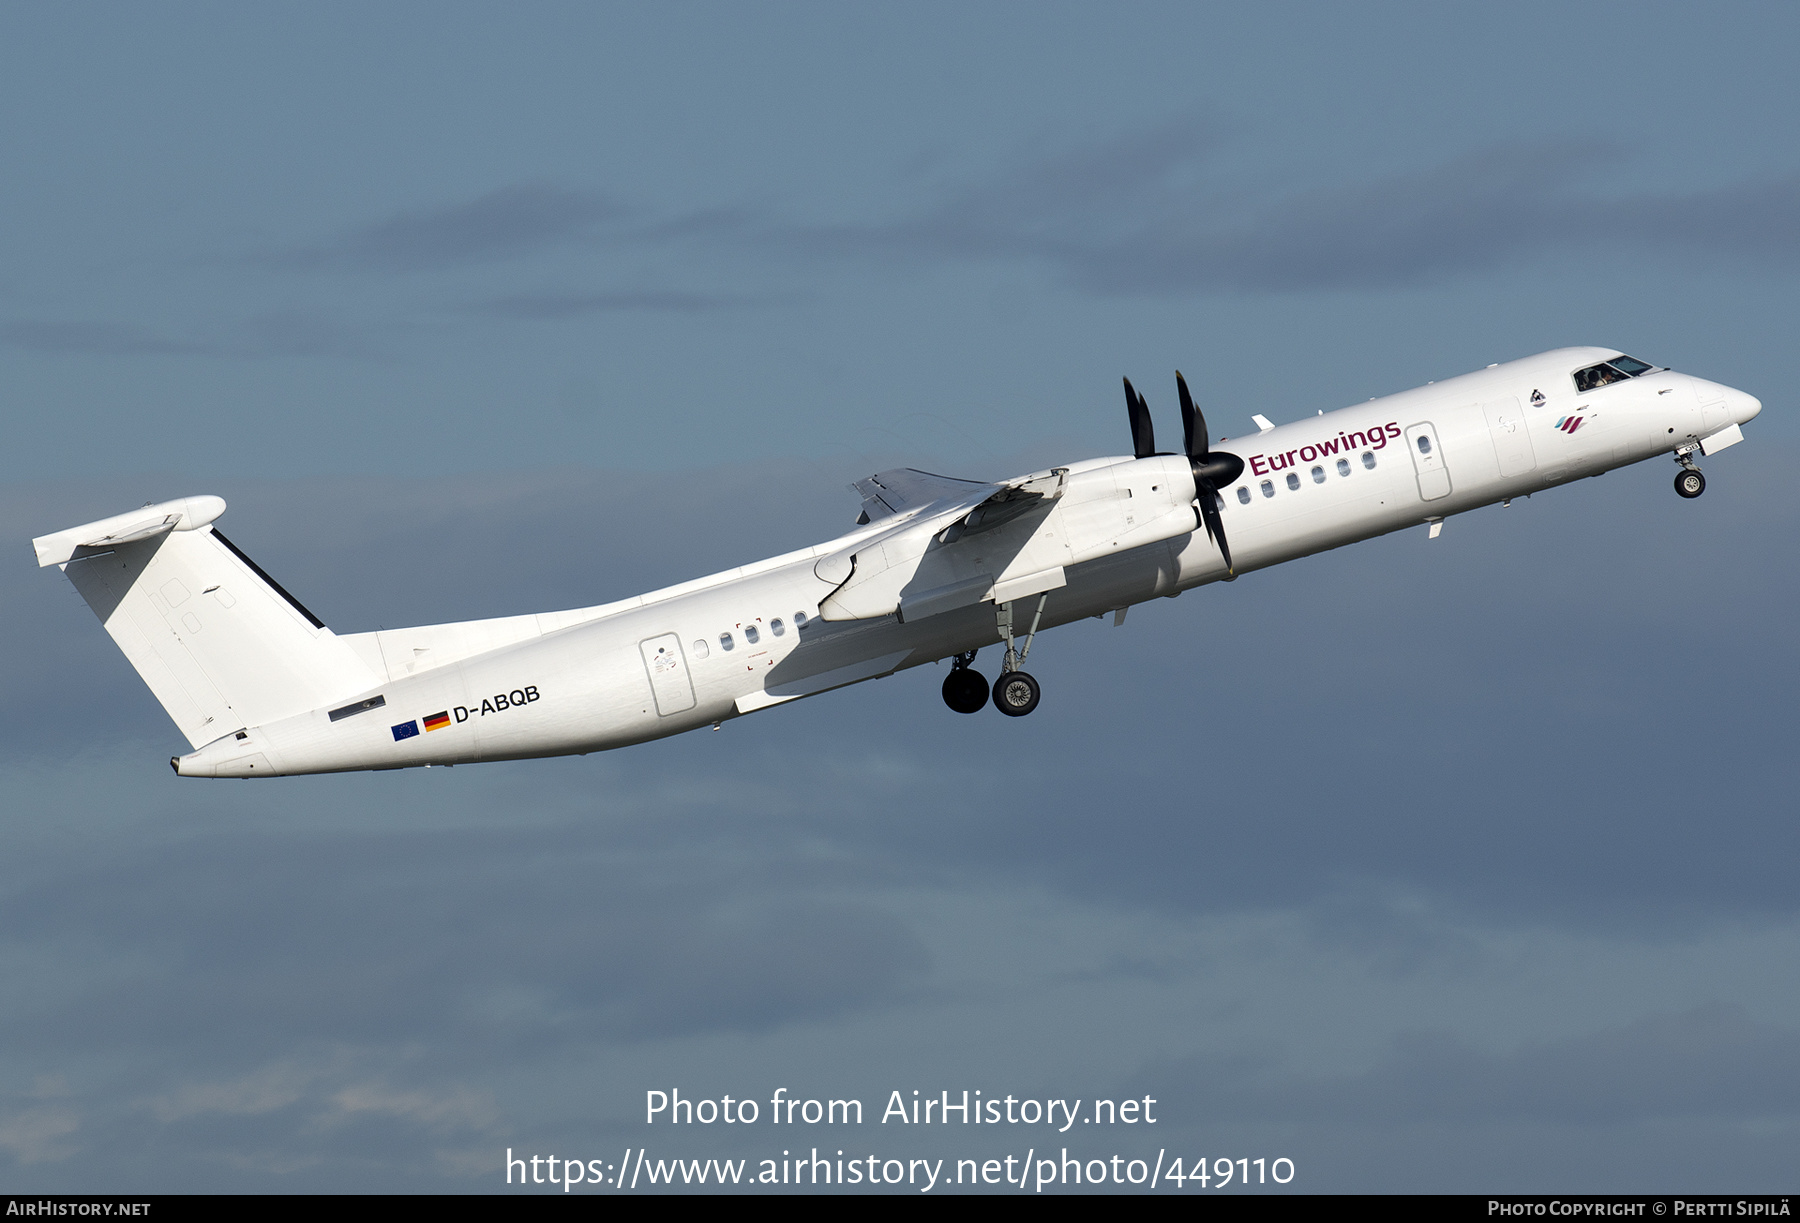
{"points": [[1569, 424], [1374, 438]]}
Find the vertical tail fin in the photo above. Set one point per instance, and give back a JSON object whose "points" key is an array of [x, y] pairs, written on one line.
{"points": [[218, 641]]}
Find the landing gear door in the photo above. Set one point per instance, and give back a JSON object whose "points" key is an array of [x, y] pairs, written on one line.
{"points": [[1428, 461], [669, 680]]}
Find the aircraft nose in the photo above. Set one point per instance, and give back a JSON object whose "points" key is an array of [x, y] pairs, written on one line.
{"points": [[1744, 407]]}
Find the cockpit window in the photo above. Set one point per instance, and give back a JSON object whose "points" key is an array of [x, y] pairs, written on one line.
{"points": [[1596, 376], [1616, 370]]}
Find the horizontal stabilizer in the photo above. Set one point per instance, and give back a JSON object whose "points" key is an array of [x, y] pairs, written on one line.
{"points": [[187, 514]]}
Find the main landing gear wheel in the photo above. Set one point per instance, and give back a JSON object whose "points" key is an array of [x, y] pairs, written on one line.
{"points": [[965, 691], [1690, 483], [1015, 694]]}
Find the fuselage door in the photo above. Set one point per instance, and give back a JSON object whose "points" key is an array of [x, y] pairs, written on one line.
{"points": [[669, 680], [1428, 461], [1512, 443]]}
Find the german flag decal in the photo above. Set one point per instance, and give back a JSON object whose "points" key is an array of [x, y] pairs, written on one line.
{"points": [[437, 721]]}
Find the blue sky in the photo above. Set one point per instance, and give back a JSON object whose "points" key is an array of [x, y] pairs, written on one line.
{"points": [[1462, 865]]}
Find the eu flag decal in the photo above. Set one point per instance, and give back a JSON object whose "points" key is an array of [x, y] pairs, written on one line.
{"points": [[406, 730], [437, 721]]}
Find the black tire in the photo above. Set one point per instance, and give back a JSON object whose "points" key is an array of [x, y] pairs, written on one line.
{"points": [[965, 691], [1690, 483], [1015, 694]]}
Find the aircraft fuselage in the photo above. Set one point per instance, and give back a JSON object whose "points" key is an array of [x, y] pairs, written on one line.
{"points": [[719, 647]]}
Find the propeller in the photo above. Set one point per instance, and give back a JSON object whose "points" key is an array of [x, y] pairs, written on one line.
{"points": [[1143, 436], [1212, 472]]}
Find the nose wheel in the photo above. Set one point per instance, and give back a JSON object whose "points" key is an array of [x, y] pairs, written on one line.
{"points": [[1689, 483]]}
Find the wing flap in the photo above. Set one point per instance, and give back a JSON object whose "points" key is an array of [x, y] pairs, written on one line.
{"points": [[904, 489], [946, 554]]}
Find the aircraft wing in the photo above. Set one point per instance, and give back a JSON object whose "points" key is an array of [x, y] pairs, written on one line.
{"points": [[887, 493], [912, 555]]}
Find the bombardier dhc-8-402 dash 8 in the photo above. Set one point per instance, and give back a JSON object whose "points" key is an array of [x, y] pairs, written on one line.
{"points": [[936, 568]]}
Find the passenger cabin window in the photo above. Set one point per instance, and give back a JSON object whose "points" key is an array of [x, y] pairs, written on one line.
{"points": [[1293, 481], [1318, 475], [777, 627], [700, 650], [1369, 459], [1424, 444], [799, 620], [1343, 467], [1268, 488], [1607, 372], [1243, 494], [726, 643], [751, 635]]}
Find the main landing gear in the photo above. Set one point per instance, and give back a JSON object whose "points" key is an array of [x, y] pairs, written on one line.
{"points": [[965, 691], [1015, 693], [1689, 482]]}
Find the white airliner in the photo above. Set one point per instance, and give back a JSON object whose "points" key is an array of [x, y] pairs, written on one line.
{"points": [[936, 568]]}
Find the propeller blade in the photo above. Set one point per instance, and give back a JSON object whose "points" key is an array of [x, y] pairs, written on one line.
{"points": [[1215, 526], [1212, 472], [1216, 471], [1193, 425], [1143, 436]]}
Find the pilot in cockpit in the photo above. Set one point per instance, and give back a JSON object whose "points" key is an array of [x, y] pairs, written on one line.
{"points": [[1617, 370]]}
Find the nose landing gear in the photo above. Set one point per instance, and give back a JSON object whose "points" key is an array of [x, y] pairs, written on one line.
{"points": [[1689, 482]]}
